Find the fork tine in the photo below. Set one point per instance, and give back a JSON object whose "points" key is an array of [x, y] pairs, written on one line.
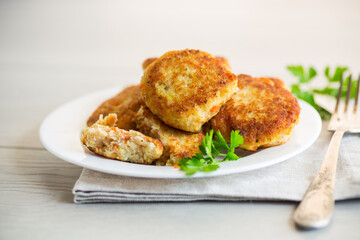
{"points": [[339, 95], [348, 92], [357, 95]]}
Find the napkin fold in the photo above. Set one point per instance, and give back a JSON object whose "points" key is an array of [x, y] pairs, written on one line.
{"points": [[286, 181]]}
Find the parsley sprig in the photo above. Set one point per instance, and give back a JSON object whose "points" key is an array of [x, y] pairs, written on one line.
{"points": [[210, 149], [336, 78], [305, 76]]}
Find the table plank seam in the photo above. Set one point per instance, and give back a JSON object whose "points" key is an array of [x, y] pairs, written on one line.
{"points": [[24, 148]]}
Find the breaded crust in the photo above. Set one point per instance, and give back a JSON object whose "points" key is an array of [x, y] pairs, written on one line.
{"points": [[224, 61], [264, 111], [186, 88], [125, 105], [149, 61], [177, 144], [105, 139]]}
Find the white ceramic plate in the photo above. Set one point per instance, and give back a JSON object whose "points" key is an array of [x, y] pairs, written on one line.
{"points": [[60, 134]]}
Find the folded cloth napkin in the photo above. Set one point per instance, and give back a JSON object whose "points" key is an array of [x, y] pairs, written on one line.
{"points": [[285, 181]]}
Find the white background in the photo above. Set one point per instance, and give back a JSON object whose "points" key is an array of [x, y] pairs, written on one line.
{"points": [[258, 37]]}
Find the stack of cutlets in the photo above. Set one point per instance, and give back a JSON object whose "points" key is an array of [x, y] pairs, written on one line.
{"points": [[181, 96]]}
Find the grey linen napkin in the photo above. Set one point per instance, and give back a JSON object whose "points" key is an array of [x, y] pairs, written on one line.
{"points": [[284, 181]]}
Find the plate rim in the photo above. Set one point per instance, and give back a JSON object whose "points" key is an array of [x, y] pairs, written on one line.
{"points": [[174, 173]]}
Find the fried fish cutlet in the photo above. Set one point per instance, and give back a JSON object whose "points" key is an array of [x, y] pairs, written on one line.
{"points": [[125, 105], [105, 139], [224, 61], [263, 110], [149, 61], [186, 88], [177, 143]]}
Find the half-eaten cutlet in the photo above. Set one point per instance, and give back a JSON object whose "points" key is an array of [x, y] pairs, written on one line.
{"points": [[125, 104], [105, 139]]}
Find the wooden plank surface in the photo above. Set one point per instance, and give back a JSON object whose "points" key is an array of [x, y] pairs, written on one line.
{"points": [[36, 203]]}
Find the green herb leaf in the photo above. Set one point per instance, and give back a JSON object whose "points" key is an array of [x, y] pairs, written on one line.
{"points": [[236, 140], [303, 75], [191, 165], [297, 71], [230, 156], [327, 91], [219, 142], [304, 95], [324, 114], [210, 167], [327, 72], [210, 149], [334, 91], [338, 74], [312, 73], [206, 146], [307, 96]]}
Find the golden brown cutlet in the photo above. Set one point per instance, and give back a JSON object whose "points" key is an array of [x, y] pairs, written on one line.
{"points": [[186, 88], [264, 111], [149, 61], [125, 105], [177, 143]]}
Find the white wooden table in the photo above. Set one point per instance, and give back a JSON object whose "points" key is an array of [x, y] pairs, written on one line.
{"points": [[54, 51]]}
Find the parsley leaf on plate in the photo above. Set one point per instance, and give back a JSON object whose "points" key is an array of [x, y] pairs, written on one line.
{"points": [[210, 149]]}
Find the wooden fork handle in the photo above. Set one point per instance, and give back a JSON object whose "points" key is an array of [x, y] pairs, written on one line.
{"points": [[317, 205]]}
